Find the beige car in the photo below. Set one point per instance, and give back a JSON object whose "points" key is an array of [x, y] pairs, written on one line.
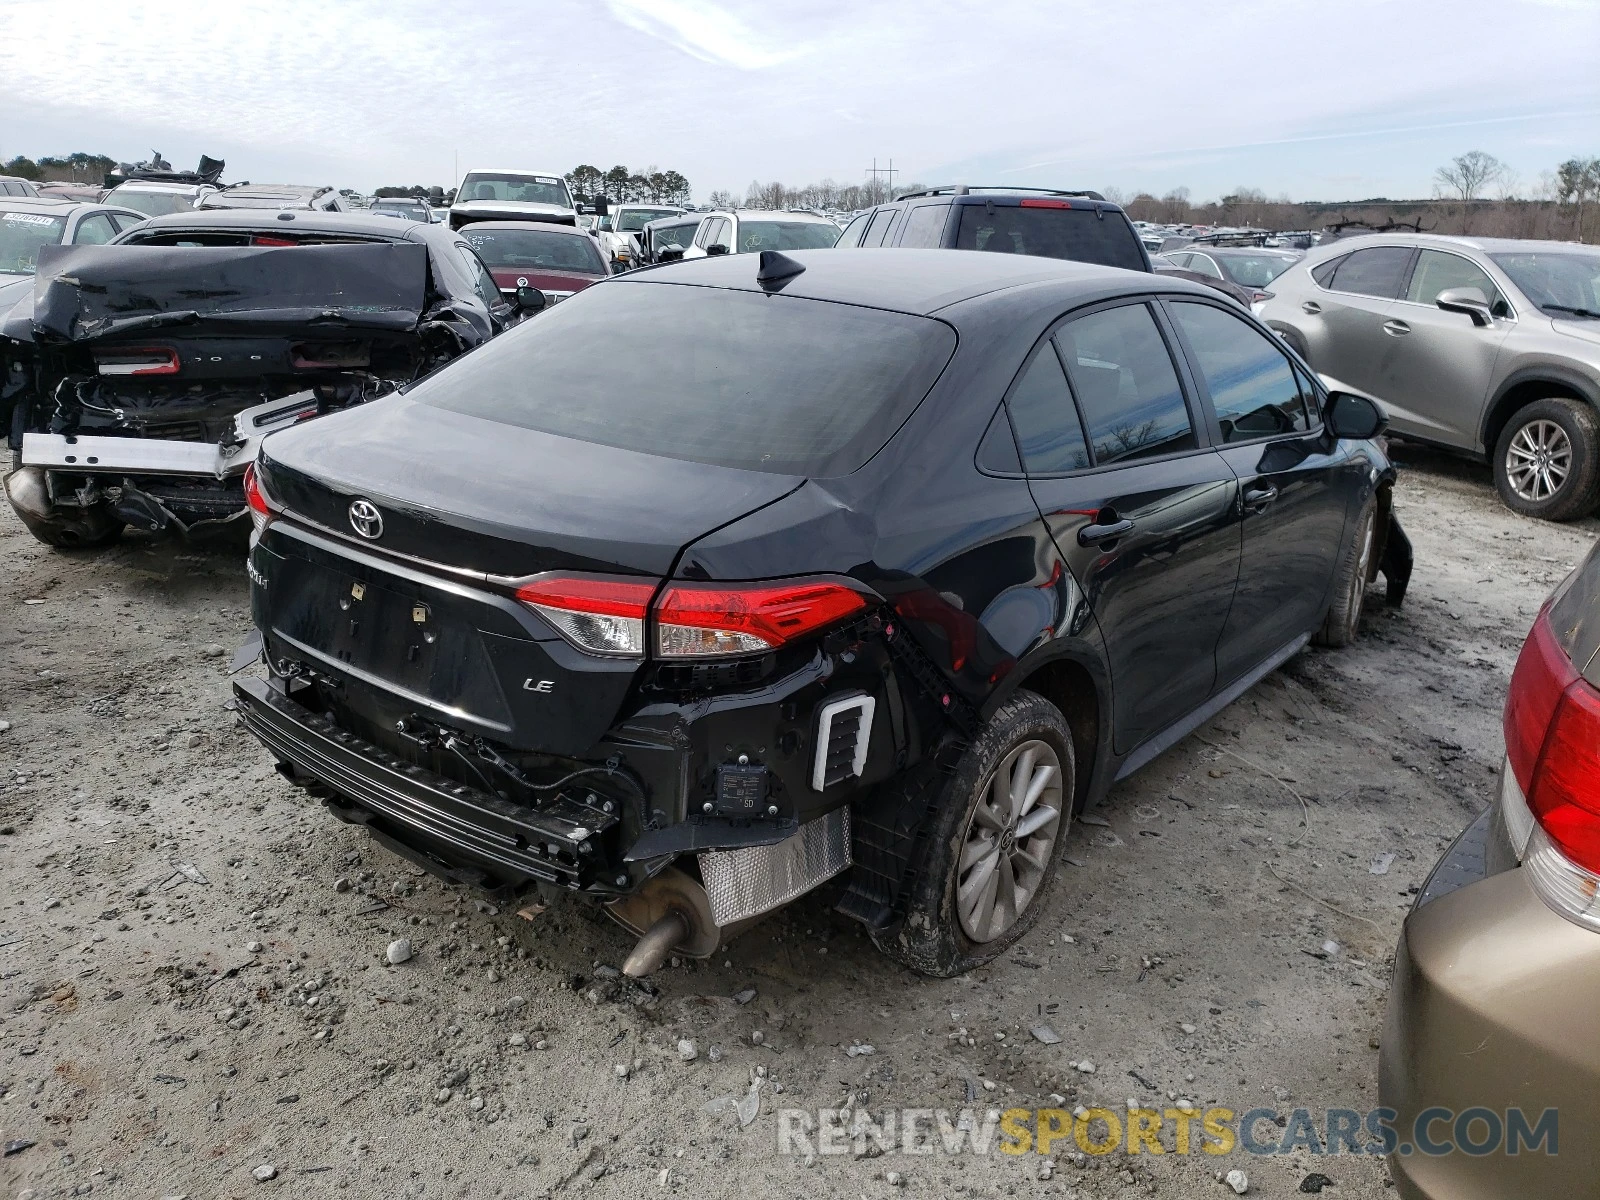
{"points": [[1491, 1050], [1486, 346]]}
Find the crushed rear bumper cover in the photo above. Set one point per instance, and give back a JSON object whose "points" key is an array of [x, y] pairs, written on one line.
{"points": [[465, 834]]}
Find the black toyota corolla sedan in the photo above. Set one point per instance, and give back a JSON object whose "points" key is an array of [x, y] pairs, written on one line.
{"points": [[853, 567]]}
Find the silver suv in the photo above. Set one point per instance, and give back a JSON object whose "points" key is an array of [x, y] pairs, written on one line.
{"points": [[1486, 345]]}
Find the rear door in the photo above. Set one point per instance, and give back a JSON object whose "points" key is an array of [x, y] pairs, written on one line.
{"points": [[1142, 511], [1294, 483], [1437, 370], [1345, 335]]}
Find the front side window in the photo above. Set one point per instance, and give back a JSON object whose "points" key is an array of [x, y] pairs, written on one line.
{"points": [[21, 235], [1437, 271], [1376, 271], [488, 290], [1126, 385], [1046, 420], [94, 230], [1253, 388]]}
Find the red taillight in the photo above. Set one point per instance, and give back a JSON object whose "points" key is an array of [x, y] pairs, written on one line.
{"points": [[694, 620], [609, 615], [137, 360], [265, 239], [595, 613], [1034, 202], [256, 499], [1552, 728]]}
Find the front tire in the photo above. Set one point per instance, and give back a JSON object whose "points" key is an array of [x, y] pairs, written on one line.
{"points": [[1547, 460], [1000, 829]]}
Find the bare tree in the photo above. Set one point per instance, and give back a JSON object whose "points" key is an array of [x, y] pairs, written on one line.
{"points": [[1467, 177]]}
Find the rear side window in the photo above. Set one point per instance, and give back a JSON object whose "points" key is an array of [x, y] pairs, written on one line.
{"points": [[711, 375], [1080, 234], [1046, 420], [1252, 386], [852, 232], [879, 226], [1376, 271], [1126, 385], [1324, 274], [925, 227]]}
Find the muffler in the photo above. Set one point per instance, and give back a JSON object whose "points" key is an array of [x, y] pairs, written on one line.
{"points": [[670, 915], [60, 525]]}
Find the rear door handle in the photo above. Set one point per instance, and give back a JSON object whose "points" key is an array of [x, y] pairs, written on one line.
{"points": [[1396, 328], [1311, 306], [1091, 535], [1260, 497]]}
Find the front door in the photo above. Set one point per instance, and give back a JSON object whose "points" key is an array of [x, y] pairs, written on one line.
{"points": [[1142, 512], [1345, 333]]}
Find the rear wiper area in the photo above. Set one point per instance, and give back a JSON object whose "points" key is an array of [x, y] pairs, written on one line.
{"points": [[1567, 308]]}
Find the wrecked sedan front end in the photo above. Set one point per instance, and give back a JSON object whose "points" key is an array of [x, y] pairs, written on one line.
{"points": [[141, 379]]}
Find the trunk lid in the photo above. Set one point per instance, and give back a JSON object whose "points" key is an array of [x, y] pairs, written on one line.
{"points": [[494, 499]]}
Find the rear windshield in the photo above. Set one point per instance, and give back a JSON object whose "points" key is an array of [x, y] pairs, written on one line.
{"points": [[1080, 234], [151, 204], [787, 235], [710, 375], [21, 235], [535, 248]]}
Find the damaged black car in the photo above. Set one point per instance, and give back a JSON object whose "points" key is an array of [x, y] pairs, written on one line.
{"points": [[138, 379], [695, 630]]}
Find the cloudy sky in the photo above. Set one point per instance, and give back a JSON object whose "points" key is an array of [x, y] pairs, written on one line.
{"points": [[1315, 100]]}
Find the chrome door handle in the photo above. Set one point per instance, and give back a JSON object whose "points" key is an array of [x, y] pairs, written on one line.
{"points": [[1396, 328], [1311, 306], [1091, 535], [1260, 497]]}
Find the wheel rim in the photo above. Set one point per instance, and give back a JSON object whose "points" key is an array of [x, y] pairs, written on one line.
{"points": [[1008, 842], [1538, 460], [1358, 585]]}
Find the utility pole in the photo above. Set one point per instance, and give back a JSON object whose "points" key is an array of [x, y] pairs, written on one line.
{"points": [[888, 172]]}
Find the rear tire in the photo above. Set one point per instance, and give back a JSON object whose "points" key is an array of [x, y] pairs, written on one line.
{"points": [[1342, 625], [1000, 829], [1547, 460]]}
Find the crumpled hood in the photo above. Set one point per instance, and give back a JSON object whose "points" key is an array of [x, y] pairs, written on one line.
{"points": [[90, 293]]}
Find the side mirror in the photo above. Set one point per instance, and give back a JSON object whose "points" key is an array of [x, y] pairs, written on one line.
{"points": [[1352, 416], [669, 254], [716, 248], [601, 207], [604, 223], [1469, 300], [531, 300]]}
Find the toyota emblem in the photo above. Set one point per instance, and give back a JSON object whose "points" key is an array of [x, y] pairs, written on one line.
{"points": [[522, 281], [366, 520]]}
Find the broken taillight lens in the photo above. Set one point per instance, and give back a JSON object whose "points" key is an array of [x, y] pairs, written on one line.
{"points": [[608, 615], [260, 510], [1552, 729], [595, 613]]}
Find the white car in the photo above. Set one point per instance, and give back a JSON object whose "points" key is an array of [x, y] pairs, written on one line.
{"points": [[512, 194], [156, 199], [617, 229], [745, 230]]}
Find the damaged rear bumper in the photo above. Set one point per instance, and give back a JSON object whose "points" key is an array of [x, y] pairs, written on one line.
{"points": [[463, 833]]}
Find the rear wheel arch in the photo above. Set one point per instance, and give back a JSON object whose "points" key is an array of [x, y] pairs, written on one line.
{"points": [[1074, 690]]}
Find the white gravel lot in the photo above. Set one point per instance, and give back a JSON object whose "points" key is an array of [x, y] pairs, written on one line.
{"points": [[195, 998]]}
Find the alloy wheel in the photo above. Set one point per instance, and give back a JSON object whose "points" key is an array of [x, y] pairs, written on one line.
{"points": [[1009, 839], [1538, 460]]}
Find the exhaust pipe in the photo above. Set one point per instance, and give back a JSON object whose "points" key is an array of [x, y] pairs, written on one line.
{"points": [[660, 940]]}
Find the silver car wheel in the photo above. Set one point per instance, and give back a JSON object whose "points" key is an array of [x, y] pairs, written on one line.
{"points": [[1008, 841], [1538, 460]]}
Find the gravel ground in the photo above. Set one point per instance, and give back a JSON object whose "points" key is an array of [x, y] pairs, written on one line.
{"points": [[195, 991]]}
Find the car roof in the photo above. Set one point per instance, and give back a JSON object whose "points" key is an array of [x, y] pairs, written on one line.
{"points": [[58, 206], [914, 281], [301, 220], [538, 226], [1443, 241]]}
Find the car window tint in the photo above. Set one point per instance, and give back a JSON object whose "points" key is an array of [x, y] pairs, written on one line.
{"points": [[1437, 271], [925, 226], [997, 453], [94, 230], [1079, 233], [1126, 385], [1376, 271], [488, 290], [1045, 418], [878, 227], [1203, 264], [1252, 386], [852, 232], [1324, 273]]}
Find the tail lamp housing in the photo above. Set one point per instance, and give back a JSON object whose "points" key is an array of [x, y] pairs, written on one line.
{"points": [[256, 498], [612, 616], [1550, 790]]}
